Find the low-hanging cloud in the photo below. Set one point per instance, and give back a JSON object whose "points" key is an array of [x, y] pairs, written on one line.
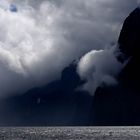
{"points": [[99, 68], [44, 36]]}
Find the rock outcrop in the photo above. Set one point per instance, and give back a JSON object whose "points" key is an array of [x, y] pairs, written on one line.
{"points": [[119, 105], [129, 44]]}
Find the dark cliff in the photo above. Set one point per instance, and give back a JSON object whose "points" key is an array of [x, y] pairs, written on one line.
{"points": [[119, 105], [129, 44]]}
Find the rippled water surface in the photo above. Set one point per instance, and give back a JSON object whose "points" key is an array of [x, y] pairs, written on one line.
{"points": [[70, 133]]}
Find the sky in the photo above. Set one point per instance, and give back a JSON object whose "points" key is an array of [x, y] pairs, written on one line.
{"points": [[44, 36]]}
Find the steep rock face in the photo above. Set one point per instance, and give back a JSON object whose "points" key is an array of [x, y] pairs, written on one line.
{"points": [[119, 105], [129, 44], [129, 39]]}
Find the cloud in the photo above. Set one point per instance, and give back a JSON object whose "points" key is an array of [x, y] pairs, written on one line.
{"points": [[99, 68], [44, 36]]}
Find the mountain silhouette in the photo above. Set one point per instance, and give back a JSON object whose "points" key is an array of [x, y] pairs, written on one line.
{"points": [[119, 105], [129, 44], [55, 104]]}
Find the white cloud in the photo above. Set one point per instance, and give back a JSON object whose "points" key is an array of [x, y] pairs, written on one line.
{"points": [[99, 68]]}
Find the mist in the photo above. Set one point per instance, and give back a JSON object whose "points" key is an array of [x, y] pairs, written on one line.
{"points": [[100, 68]]}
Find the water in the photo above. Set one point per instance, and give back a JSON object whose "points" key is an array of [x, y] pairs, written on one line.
{"points": [[70, 133]]}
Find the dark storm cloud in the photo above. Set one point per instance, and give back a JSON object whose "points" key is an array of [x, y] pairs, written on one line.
{"points": [[44, 36]]}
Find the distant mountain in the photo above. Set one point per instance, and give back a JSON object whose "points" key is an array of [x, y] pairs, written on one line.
{"points": [[57, 103], [120, 105]]}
